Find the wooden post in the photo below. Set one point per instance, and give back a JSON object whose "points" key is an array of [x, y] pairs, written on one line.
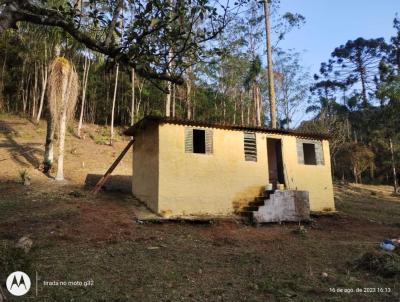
{"points": [[104, 178]]}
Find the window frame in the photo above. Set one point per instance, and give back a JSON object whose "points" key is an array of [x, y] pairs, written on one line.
{"points": [[319, 151], [189, 140], [250, 146]]}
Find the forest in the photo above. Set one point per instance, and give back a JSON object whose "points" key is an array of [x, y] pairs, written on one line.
{"points": [[212, 62]]}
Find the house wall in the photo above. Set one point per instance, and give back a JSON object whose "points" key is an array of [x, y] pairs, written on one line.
{"points": [[316, 179], [173, 182], [216, 183], [145, 167]]}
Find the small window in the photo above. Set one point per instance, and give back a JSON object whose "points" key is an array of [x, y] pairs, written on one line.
{"points": [[310, 157], [199, 141], [310, 152], [250, 146]]}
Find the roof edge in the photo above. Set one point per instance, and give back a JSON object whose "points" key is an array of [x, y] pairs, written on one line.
{"points": [[151, 119]]}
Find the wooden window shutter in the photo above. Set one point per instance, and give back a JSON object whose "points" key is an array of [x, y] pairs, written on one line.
{"points": [[209, 141], [188, 140], [319, 153], [250, 146], [300, 152]]}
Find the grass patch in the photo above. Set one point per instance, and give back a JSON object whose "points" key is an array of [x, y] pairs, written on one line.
{"points": [[378, 208], [385, 264]]}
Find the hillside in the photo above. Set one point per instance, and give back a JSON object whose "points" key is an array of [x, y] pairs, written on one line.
{"points": [[22, 148]]}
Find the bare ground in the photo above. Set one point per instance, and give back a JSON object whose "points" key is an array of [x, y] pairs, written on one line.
{"points": [[79, 237]]}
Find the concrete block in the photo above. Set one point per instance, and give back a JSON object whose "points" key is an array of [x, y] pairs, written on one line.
{"points": [[289, 205]]}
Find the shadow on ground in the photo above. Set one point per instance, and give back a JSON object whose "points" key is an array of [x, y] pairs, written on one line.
{"points": [[115, 183], [25, 154]]}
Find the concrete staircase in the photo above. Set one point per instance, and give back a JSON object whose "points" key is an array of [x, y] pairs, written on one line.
{"points": [[277, 206]]}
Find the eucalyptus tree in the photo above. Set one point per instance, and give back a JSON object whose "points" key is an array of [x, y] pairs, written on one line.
{"points": [[85, 77], [292, 86], [271, 86], [286, 22]]}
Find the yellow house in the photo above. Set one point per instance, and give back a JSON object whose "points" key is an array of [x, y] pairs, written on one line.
{"points": [[196, 168]]}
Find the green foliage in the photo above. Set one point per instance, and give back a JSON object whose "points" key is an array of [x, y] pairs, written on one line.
{"points": [[361, 121]]}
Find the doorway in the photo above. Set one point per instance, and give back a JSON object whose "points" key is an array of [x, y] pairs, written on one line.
{"points": [[275, 162]]}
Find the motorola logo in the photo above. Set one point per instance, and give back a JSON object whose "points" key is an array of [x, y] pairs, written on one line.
{"points": [[18, 283]]}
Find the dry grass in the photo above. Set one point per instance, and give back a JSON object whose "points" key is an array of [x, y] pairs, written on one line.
{"points": [[375, 203]]}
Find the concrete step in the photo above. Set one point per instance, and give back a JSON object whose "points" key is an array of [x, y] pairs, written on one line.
{"points": [[268, 193], [247, 214], [253, 208], [256, 203], [260, 199]]}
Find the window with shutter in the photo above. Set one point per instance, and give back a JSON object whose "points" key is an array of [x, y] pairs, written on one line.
{"points": [[250, 146], [198, 141], [209, 141], [188, 140]]}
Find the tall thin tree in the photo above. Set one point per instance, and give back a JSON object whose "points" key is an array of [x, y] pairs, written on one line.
{"points": [[270, 73], [86, 68]]}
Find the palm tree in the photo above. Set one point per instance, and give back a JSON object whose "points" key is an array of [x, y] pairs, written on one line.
{"points": [[62, 96]]}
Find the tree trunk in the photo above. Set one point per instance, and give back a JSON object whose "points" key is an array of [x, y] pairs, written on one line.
{"points": [[25, 94], [173, 100], [169, 85], [361, 70], [248, 115], [3, 70], [189, 93], [133, 98], [139, 103], [395, 185], [22, 85], [241, 109], [44, 85], [364, 91], [257, 99], [234, 110], [271, 87], [168, 100], [84, 81], [63, 127], [51, 128], [113, 105], [260, 105], [34, 92], [49, 145], [355, 175], [61, 142]]}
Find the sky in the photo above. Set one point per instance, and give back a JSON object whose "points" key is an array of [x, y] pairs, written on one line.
{"points": [[331, 23]]}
